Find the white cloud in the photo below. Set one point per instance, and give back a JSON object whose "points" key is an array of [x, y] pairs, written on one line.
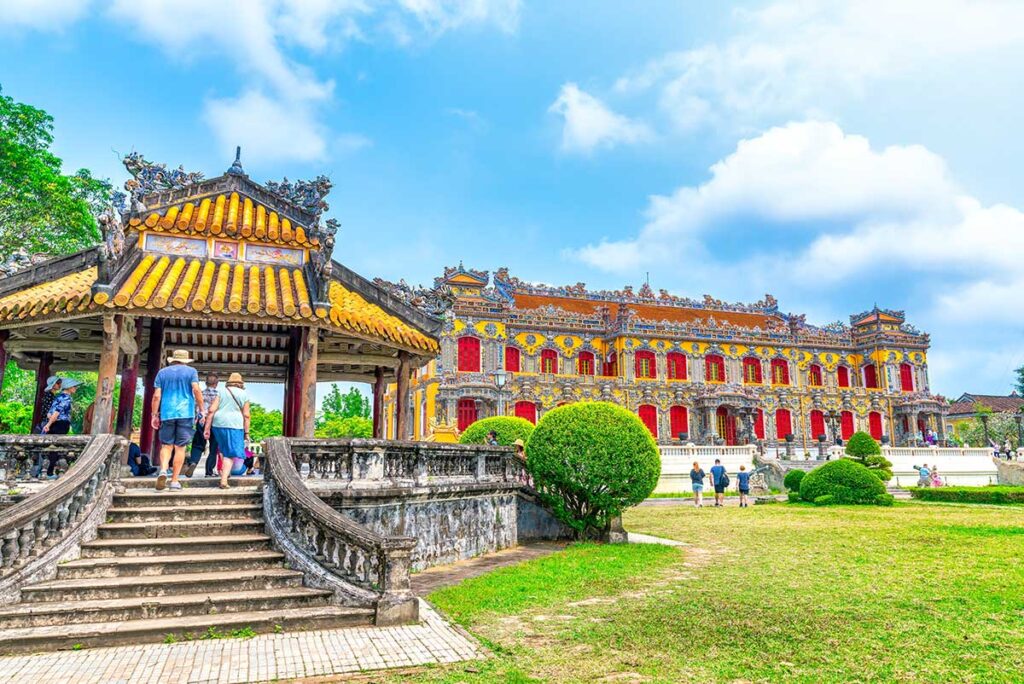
{"points": [[352, 142], [42, 15], [802, 57], [267, 128], [590, 124], [438, 16]]}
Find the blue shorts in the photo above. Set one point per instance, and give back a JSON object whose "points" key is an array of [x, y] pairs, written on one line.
{"points": [[230, 441], [177, 431], [697, 487]]}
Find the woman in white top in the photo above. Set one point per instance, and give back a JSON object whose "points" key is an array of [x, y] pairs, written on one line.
{"points": [[228, 419]]}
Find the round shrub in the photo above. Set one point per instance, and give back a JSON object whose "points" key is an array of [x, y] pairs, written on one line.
{"points": [[847, 481], [508, 428], [863, 448], [792, 480], [824, 500], [794, 497], [590, 461]]}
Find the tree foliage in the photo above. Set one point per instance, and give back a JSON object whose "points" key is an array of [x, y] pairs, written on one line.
{"points": [[345, 428], [351, 404], [264, 423], [590, 461], [1018, 384], [845, 480], [1001, 427], [863, 448], [41, 209], [508, 429]]}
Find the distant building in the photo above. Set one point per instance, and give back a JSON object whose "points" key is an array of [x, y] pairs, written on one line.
{"points": [[965, 408], [720, 373]]}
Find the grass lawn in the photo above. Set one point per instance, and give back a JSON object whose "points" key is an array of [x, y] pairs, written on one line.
{"points": [[917, 592]]}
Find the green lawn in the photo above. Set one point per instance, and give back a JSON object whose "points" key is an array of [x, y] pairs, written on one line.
{"points": [[917, 592]]}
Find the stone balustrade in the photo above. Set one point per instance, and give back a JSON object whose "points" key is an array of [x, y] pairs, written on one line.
{"points": [[19, 454]]}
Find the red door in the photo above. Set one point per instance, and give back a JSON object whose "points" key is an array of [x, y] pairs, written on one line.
{"points": [[783, 423], [679, 420], [871, 376], [527, 410], [511, 360], [466, 413], [906, 377], [759, 424], [649, 416], [843, 376], [726, 426], [817, 424], [469, 354], [846, 424], [875, 424]]}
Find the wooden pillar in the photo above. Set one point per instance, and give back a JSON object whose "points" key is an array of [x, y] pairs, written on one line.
{"points": [[4, 334], [292, 388], [378, 402], [402, 397], [305, 420], [154, 358], [42, 373], [106, 379], [129, 384]]}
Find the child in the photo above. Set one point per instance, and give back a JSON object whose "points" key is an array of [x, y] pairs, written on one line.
{"points": [[743, 482]]}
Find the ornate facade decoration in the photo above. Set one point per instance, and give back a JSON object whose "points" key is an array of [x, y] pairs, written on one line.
{"points": [[306, 195], [149, 177]]}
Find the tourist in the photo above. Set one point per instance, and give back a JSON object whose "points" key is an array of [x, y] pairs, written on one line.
{"points": [[139, 462], [58, 422], [199, 441], [176, 401], [1007, 449], [492, 438], [923, 476], [53, 388], [936, 480], [520, 447], [228, 423], [697, 483], [743, 483], [719, 481]]}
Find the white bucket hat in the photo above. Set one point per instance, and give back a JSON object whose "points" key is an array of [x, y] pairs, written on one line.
{"points": [[180, 356]]}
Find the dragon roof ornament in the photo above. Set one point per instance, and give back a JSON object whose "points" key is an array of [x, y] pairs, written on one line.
{"points": [[149, 177], [305, 195], [434, 301]]}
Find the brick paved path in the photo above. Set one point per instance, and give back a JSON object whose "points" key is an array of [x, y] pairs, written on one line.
{"points": [[260, 659]]}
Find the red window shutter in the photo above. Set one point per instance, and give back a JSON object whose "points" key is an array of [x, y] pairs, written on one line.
{"points": [[815, 375], [585, 363], [649, 416], [871, 376], [843, 376], [679, 420], [780, 372], [759, 425], [466, 411], [611, 365], [714, 368], [817, 424], [511, 360], [676, 366], [526, 410], [752, 371], [846, 424], [469, 354], [875, 424], [783, 423], [549, 361], [906, 377]]}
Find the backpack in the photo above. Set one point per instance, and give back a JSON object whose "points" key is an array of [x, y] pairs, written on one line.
{"points": [[724, 480]]}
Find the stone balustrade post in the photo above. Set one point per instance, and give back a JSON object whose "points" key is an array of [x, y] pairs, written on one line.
{"points": [[481, 466], [420, 468]]}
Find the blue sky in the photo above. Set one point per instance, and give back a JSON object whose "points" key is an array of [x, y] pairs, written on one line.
{"points": [[835, 154]]}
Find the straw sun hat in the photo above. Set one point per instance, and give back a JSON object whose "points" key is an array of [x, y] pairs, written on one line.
{"points": [[180, 356]]}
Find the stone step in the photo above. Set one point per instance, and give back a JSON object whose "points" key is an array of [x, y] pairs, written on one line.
{"points": [[192, 482], [193, 496], [181, 513], [86, 635], [147, 608], [143, 566], [193, 529], [171, 546], [101, 588]]}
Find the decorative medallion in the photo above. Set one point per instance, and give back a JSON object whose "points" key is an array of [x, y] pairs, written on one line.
{"points": [[223, 249]]}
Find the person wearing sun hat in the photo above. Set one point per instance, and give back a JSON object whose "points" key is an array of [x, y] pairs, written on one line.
{"points": [[53, 387], [58, 421], [176, 401], [228, 423]]}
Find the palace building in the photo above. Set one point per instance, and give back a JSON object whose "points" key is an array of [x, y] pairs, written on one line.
{"points": [[701, 370]]}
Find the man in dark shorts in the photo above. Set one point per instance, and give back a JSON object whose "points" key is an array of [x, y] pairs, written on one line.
{"points": [[176, 401], [718, 480]]}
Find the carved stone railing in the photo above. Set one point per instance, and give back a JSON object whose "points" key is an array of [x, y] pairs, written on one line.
{"points": [[359, 565], [385, 463], [19, 454], [48, 526]]}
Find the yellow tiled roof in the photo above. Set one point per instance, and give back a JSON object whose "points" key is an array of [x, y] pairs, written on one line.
{"points": [[206, 286], [227, 215]]}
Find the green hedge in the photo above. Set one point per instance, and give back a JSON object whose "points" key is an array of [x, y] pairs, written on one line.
{"points": [[792, 480], [509, 429], [983, 495], [846, 481]]}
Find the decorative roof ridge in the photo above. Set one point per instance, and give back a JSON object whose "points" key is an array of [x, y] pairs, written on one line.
{"points": [[452, 271], [875, 311]]}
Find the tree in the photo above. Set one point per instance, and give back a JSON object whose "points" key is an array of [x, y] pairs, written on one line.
{"points": [[338, 406], [863, 448], [1019, 384], [41, 209], [1001, 427], [345, 428], [264, 423]]}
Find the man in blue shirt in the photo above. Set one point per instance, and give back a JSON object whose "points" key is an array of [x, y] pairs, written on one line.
{"points": [[176, 398], [718, 480]]}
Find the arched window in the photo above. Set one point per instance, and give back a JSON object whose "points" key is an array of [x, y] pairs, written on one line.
{"points": [[679, 420], [649, 415], [469, 354], [871, 376], [714, 368], [846, 424], [512, 359], [906, 377], [817, 424], [751, 371], [549, 361], [526, 410], [783, 423], [676, 366], [875, 424], [780, 372], [843, 376], [585, 363], [466, 413], [814, 376], [645, 364], [611, 365], [759, 424]]}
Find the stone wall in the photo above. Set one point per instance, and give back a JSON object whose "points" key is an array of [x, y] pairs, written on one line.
{"points": [[1010, 472]]}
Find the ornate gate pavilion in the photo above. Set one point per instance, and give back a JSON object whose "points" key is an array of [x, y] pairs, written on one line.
{"points": [[238, 273]]}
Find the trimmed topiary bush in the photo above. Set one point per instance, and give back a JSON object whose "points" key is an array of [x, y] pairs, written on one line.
{"points": [[885, 500], [847, 481], [863, 448], [992, 494], [509, 429], [792, 480], [824, 500], [794, 497], [590, 461]]}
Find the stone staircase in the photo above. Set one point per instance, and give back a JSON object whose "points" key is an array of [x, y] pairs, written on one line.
{"points": [[168, 566]]}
